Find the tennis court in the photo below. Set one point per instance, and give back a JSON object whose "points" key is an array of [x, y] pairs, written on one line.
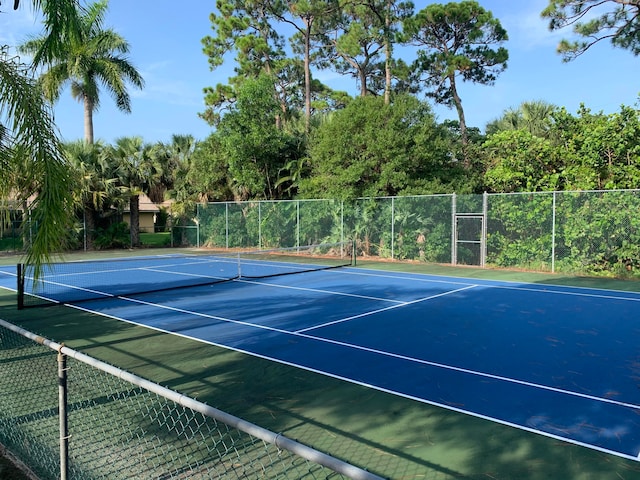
{"points": [[555, 360]]}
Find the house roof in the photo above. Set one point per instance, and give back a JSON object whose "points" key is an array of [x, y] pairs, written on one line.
{"points": [[146, 205]]}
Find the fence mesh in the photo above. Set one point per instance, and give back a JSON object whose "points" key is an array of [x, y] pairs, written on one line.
{"points": [[122, 430], [586, 232], [13, 234], [520, 231], [595, 232]]}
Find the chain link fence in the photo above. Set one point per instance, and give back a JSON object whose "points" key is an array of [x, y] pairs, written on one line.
{"points": [[587, 232], [14, 233], [79, 418]]}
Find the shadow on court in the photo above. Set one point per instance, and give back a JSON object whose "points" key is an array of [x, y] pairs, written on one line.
{"points": [[391, 436]]}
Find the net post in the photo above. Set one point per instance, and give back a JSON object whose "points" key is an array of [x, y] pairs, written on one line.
{"points": [[20, 286]]}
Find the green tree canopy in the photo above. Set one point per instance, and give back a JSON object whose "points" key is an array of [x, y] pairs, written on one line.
{"points": [[534, 117], [243, 27], [455, 41], [603, 151], [93, 185], [587, 151], [253, 145], [136, 169], [519, 161], [371, 149], [594, 21]]}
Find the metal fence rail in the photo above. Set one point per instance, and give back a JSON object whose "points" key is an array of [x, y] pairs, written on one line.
{"points": [[582, 232], [79, 418]]}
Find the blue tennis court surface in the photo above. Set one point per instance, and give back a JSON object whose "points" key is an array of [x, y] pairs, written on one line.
{"points": [[559, 361]]}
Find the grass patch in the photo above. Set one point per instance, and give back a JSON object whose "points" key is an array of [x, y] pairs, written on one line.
{"points": [[156, 240]]}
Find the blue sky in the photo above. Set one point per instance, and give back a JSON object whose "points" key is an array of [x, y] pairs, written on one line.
{"points": [[166, 48]]}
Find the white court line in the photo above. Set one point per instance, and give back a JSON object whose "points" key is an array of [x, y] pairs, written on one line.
{"points": [[133, 269], [503, 284], [376, 387], [380, 388], [319, 290], [365, 314], [106, 295], [366, 349]]}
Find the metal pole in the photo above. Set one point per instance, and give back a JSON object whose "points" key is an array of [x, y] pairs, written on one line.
{"points": [[226, 222], [259, 225], [553, 234], [62, 413], [298, 224], [483, 241], [197, 220], [342, 221], [393, 221], [454, 246]]}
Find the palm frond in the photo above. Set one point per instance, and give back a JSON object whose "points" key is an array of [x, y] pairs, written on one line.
{"points": [[36, 144]]}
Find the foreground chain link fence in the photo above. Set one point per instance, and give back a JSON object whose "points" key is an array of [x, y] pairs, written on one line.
{"points": [[70, 416], [594, 232]]}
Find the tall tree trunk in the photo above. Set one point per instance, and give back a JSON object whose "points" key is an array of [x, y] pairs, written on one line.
{"points": [[363, 82], [464, 137], [307, 74], [387, 54], [27, 228], [88, 120], [89, 226], [134, 219]]}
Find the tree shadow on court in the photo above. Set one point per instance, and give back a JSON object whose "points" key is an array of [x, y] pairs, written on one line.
{"points": [[392, 436]]}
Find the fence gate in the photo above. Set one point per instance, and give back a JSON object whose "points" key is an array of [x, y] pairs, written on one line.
{"points": [[469, 233]]}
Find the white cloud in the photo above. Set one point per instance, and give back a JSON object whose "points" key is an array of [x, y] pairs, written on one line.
{"points": [[164, 84], [16, 26], [528, 30]]}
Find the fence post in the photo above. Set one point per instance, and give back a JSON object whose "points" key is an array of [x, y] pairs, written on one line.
{"points": [[342, 222], [259, 224], [553, 235], [197, 220], [62, 413], [226, 224], [393, 221], [454, 246], [483, 239], [298, 224]]}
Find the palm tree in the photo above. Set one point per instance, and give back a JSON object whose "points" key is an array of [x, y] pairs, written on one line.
{"points": [[534, 117], [93, 186], [170, 158], [136, 169], [31, 159], [31, 156], [61, 20], [176, 185], [87, 58]]}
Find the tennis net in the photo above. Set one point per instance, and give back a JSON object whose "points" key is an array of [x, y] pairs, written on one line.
{"points": [[74, 282]]}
